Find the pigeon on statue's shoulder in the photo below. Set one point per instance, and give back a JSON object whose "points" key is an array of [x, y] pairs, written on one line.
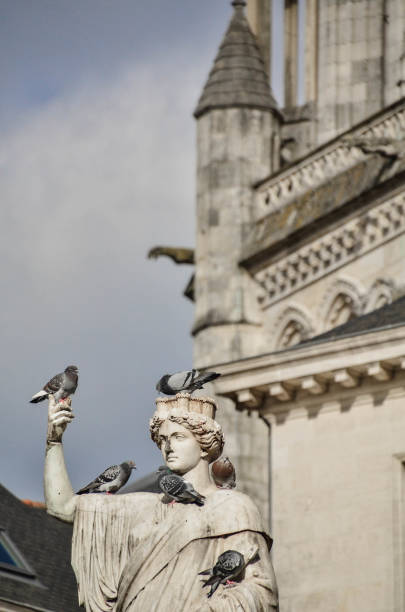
{"points": [[228, 567], [188, 381], [61, 386], [111, 480], [178, 489], [223, 473]]}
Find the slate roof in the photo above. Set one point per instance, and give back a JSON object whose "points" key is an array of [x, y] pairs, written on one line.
{"points": [[238, 77], [44, 542], [387, 317]]}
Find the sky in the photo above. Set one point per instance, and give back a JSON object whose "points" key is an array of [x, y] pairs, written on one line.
{"points": [[97, 165]]}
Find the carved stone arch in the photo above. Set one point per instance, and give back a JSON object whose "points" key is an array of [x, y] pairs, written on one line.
{"points": [[382, 292], [292, 326], [343, 300]]}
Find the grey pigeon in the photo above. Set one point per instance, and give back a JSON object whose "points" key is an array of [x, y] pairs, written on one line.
{"points": [[223, 473], [111, 480], [229, 566], [170, 384], [178, 489], [60, 386]]}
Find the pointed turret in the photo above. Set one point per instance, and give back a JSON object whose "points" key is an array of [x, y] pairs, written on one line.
{"points": [[238, 77]]}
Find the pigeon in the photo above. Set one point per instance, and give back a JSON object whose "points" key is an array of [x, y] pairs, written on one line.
{"points": [[170, 384], [229, 566], [178, 489], [111, 480], [223, 473], [60, 386]]}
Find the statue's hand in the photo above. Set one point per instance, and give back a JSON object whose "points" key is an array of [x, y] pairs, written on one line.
{"points": [[59, 415]]}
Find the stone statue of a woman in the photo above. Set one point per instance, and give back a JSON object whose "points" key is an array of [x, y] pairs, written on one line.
{"points": [[138, 552]]}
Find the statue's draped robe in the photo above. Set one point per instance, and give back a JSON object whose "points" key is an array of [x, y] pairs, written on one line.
{"points": [[134, 552]]}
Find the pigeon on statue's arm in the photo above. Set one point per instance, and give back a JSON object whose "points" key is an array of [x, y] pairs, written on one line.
{"points": [[178, 489], [111, 480], [226, 570], [61, 386], [188, 381]]}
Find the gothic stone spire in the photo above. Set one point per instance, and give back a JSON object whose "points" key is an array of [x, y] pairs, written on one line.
{"points": [[238, 76]]}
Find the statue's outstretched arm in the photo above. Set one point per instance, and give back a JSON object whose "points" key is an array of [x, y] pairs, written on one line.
{"points": [[59, 496]]}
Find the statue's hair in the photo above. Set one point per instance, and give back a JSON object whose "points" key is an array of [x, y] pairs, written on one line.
{"points": [[206, 431]]}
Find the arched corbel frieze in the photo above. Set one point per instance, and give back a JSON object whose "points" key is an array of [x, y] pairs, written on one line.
{"points": [[343, 301], [381, 293], [291, 327]]}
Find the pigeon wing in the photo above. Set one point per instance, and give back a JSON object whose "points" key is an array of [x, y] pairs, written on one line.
{"points": [[105, 477], [230, 563], [109, 474], [204, 378], [53, 385], [179, 380], [172, 485], [194, 495]]}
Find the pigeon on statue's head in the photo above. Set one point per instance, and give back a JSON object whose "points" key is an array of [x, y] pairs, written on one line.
{"points": [[223, 473], [60, 386], [111, 480], [228, 567], [178, 489], [188, 381]]}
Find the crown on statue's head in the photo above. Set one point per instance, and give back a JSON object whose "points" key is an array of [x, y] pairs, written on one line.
{"points": [[185, 403]]}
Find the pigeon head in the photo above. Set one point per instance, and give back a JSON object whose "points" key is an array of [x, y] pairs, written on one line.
{"points": [[72, 369], [161, 381], [130, 464], [163, 469]]}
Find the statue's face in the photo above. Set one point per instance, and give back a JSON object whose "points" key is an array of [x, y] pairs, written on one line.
{"points": [[181, 451]]}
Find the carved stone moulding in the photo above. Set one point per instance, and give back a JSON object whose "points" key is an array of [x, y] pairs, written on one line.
{"points": [[342, 301], [382, 292], [332, 251], [330, 161], [279, 394], [292, 326]]}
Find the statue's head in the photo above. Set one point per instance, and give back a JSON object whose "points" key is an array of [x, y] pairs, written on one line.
{"points": [[184, 435]]}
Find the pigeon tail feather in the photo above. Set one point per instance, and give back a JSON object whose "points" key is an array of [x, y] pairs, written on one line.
{"points": [[208, 376], [200, 500], [214, 587], [88, 488], [39, 397]]}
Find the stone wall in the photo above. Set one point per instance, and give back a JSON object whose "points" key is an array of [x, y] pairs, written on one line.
{"points": [[247, 445], [338, 501]]}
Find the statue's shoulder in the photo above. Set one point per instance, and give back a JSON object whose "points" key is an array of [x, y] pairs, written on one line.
{"points": [[236, 510], [117, 504]]}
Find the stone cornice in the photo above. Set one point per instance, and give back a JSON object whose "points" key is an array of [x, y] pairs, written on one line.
{"points": [[342, 245], [274, 381], [328, 161]]}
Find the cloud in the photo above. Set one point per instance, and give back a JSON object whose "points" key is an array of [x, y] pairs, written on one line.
{"points": [[89, 182]]}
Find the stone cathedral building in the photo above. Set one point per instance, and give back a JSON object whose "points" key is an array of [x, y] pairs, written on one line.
{"points": [[299, 278]]}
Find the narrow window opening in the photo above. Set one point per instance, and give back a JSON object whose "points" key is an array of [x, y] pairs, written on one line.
{"points": [[288, 51]]}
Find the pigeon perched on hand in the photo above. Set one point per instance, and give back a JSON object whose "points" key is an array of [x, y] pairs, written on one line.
{"points": [[223, 473], [111, 480], [170, 384], [60, 386], [178, 489], [229, 566]]}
